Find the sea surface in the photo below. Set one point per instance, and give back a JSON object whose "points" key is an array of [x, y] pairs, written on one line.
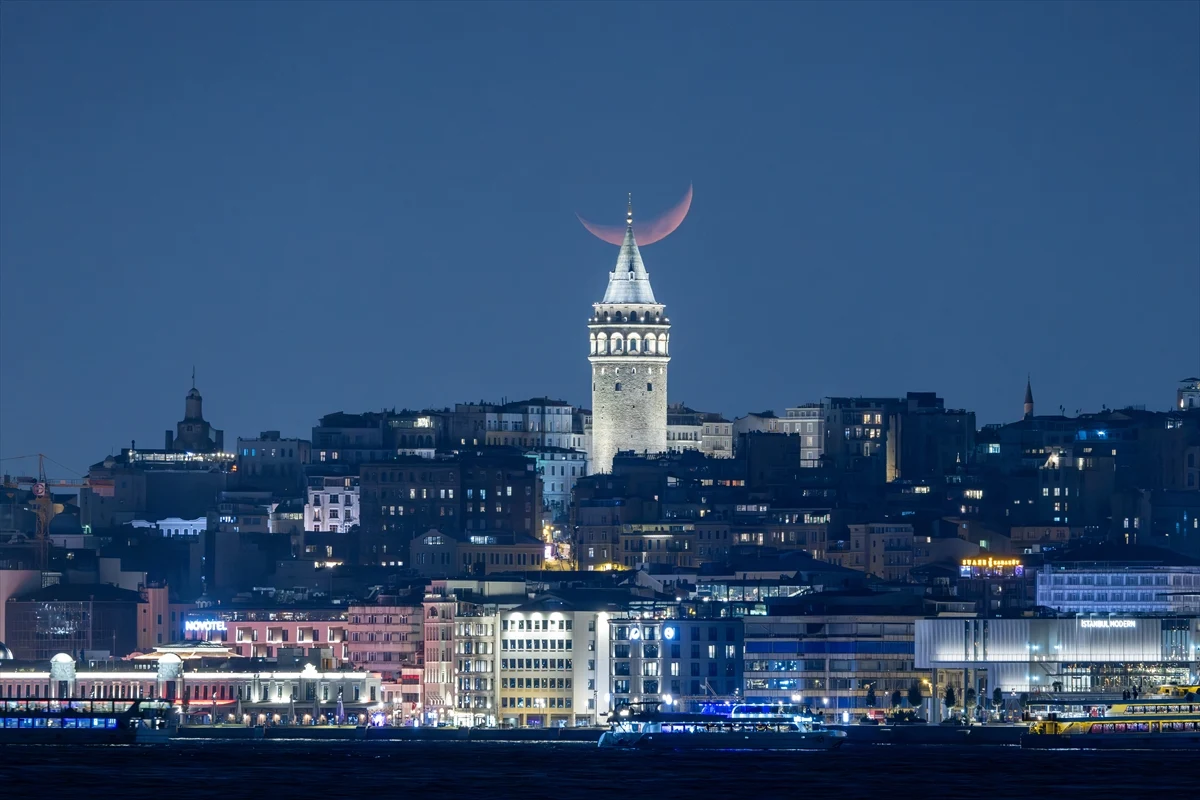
{"points": [[297, 770]]}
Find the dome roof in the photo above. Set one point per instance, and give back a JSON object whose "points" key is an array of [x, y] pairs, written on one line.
{"points": [[5, 653]]}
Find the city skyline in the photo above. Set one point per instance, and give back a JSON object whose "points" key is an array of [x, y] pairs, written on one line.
{"points": [[843, 242]]}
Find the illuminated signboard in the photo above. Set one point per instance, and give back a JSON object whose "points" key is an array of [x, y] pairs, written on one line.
{"points": [[1107, 623], [991, 562], [204, 625], [974, 567]]}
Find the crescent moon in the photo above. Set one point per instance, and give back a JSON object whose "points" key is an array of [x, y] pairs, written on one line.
{"points": [[645, 232]]}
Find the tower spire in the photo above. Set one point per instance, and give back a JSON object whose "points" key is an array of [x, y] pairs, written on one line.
{"points": [[629, 212], [1028, 396], [193, 376]]}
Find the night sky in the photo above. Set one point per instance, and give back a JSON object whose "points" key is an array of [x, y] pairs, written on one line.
{"points": [[352, 207]]}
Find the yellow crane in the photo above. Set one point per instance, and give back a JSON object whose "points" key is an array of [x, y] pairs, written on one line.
{"points": [[43, 501]]}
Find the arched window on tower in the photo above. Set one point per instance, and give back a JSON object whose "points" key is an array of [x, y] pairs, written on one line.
{"points": [[618, 317], [651, 344], [618, 344], [592, 344], [633, 316], [601, 344], [664, 343], [634, 344]]}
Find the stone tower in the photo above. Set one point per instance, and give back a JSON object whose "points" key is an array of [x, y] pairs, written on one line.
{"points": [[629, 347], [192, 433]]}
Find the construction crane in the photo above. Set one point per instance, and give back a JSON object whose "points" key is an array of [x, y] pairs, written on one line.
{"points": [[43, 501]]}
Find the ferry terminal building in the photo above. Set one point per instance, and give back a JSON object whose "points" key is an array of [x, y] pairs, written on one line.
{"points": [[1098, 653], [207, 682]]}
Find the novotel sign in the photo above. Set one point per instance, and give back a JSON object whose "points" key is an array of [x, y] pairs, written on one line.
{"points": [[1108, 623], [204, 625]]}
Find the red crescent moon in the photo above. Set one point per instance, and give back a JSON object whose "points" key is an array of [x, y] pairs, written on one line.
{"points": [[645, 232]]}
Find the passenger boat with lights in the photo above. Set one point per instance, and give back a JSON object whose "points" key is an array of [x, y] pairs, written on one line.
{"points": [[1169, 719], [85, 721], [747, 727]]}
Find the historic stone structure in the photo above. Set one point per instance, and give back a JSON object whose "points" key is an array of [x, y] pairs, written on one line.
{"points": [[629, 339]]}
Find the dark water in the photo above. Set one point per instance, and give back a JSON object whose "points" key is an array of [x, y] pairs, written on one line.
{"points": [[301, 770]]}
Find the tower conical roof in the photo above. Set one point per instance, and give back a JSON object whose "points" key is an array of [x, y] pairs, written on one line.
{"points": [[1028, 391], [629, 282]]}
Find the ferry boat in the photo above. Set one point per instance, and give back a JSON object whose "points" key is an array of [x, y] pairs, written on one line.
{"points": [[85, 721], [646, 726], [1165, 720]]}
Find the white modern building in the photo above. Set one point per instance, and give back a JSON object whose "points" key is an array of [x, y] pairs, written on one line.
{"points": [[553, 660], [1120, 590], [558, 469], [332, 504], [1100, 653], [808, 422]]}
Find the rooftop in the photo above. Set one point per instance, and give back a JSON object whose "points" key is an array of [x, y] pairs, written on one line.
{"points": [[80, 592]]}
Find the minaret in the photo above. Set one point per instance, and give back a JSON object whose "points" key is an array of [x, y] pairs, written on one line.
{"points": [[1028, 398], [629, 347]]}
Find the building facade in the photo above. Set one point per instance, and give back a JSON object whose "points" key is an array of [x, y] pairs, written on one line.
{"points": [[272, 463], [1116, 589], [208, 683], [808, 422], [559, 469], [1084, 653], [75, 618], [681, 655], [629, 349], [882, 549], [331, 504], [438, 554], [705, 432], [830, 657], [536, 423], [553, 663], [270, 632]]}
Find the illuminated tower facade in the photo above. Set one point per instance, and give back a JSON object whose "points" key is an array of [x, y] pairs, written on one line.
{"points": [[629, 338]]}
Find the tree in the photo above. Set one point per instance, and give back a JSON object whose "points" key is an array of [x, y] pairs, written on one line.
{"points": [[950, 698], [870, 695], [969, 699], [896, 698], [997, 698], [914, 695]]}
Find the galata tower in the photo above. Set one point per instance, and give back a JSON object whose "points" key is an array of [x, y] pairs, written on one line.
{"points": [[629, 339]]}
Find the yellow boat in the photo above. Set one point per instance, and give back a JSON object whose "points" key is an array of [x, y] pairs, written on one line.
{"points": [[1169, 719]]}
